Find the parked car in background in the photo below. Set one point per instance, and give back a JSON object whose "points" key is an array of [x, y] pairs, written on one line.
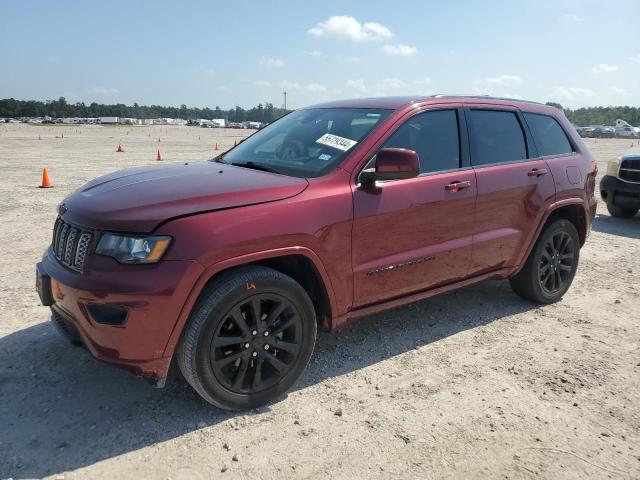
{"points": [[620, 187], [331, 213]]}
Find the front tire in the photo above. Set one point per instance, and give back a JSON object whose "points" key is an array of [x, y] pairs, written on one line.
{"points": [[248, 339], [621, 212], [552, 264]]}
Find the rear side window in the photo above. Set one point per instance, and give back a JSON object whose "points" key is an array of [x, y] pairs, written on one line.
{"points": [[434, 136], [496, 137], [548, 134]]}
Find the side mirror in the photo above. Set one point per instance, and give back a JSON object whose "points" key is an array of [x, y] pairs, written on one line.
{"points": [[392, 164]]}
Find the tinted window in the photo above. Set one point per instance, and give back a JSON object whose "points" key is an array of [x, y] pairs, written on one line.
{"points": [[548, 135], [496, 137], [434, 136]]}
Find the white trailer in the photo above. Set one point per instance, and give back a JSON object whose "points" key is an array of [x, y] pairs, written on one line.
{"points": [[623, 129], [108, 120]]}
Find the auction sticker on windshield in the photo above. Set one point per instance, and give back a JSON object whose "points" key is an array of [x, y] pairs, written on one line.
{"points": [[335, 141]]}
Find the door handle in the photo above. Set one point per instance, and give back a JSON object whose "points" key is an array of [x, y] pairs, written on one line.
{"points": [[457, 186], [537, 172]]}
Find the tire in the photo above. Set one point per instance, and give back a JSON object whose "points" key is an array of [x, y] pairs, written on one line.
{"points": [[621, 212], [548, 272], [227, 357]]}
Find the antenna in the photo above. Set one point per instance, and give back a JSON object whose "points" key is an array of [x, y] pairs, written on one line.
{"points": [[285, 99]]}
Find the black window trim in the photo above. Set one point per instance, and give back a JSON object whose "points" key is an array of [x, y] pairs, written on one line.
{"points": [[463, 140], [531, 150], [569, 139]]}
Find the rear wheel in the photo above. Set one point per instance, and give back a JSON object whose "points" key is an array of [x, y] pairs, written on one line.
{"points": [[552, 264], [248, 339], [623, 212]]}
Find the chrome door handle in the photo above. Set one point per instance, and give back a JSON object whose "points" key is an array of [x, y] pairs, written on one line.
{"points": [[457, 186], [537, 172]]}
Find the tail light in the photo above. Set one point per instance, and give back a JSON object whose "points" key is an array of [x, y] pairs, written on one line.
{"points": [[591, 181]]}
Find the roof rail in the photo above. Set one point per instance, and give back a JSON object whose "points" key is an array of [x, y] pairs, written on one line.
{"points": [[485, 97]]}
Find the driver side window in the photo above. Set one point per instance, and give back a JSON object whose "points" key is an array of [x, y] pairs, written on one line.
{"points": [[434, 135]]}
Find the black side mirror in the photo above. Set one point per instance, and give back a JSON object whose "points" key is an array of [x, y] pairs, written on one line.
{"points": [[392, 164]]}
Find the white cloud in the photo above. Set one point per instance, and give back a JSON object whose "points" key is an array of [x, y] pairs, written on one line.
{"points": [[604, 68], [357, 84], [348, 59], [103, 91], [499, 80], [210, 72], [423, 81], [571, 18], [635, 58], [399, 50], [262, 83], [223, 88], [345, 26], [317, 54], [390, 84], [302, 87], [271, 62], [571, 93], [619, 91]]}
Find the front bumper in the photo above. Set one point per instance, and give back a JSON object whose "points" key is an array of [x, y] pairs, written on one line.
{"points": [[150, 297], [620, 193]]}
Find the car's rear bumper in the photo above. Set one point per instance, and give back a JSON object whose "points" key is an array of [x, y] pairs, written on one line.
{"points": [[620, 193], [123, 315]]}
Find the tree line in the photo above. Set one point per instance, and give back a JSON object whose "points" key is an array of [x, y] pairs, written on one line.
{"points": [[12, 108], [583, 117], [266, 113]]}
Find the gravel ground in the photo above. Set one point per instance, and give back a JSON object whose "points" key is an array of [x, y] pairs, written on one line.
{"points": [[474, 384]]}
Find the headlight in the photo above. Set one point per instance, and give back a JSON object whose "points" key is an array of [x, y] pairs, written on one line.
{"points": [[131, 249], [613, 167]]}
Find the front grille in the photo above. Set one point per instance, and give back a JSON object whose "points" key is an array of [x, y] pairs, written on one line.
{"points": [[70, 244], [630, 170]]}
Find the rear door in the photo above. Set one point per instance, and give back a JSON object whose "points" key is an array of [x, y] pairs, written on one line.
{"points": [[514, 186], [410, 235]]}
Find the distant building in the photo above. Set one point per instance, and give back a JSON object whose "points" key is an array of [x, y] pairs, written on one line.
{"points": [[108, 120]]}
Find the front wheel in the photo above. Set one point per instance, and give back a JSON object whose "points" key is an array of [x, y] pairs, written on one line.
{"points": [[622, 212], [552, 264], [248, 339]]}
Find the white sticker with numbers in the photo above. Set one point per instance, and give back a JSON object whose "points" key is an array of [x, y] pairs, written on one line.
{"points": [[335, 141]]}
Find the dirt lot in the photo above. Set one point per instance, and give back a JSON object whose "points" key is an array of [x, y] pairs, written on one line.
{"points": [[473, 384]]}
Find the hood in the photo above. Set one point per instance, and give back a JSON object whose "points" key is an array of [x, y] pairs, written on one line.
{"points": [[139, 199]]}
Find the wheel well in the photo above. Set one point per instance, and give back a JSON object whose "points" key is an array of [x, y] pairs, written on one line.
{"points": [[303, 271], [576, 215]]}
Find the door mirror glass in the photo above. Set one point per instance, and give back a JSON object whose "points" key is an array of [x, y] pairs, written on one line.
{"points": [[392, 164]]}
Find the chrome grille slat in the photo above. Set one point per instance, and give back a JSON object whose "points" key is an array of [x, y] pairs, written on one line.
{"points": [[630, 171], [70, 244]]}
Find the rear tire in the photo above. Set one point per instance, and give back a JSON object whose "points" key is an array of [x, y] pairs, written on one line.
{"points": [[248, 339], [621, 212], [552, 264]]}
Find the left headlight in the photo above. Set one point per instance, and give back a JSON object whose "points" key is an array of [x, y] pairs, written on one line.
{"points": [[133, 249]]}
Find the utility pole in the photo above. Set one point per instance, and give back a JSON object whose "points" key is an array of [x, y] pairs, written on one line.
{"points": [[285, 99]]}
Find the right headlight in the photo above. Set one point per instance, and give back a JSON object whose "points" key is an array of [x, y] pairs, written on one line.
{"points": [[133, 249], [613, 167]]}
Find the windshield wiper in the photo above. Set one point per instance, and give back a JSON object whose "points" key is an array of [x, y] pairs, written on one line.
{"points": [[255, 166]]}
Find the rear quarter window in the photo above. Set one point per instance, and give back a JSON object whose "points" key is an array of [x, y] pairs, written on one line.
{"points": [[496, 137], [548, 135]]}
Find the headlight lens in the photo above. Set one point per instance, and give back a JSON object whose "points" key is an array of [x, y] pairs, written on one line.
{"points": [[613, 167], [130, 249]]}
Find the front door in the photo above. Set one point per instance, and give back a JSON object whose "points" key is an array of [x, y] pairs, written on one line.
{"points": [[411, 235]]}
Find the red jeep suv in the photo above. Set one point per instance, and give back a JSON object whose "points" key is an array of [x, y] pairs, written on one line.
{"points": [[331, 213]]}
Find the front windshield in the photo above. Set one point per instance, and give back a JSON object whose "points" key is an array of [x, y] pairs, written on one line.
{"points": [[306, 143]]}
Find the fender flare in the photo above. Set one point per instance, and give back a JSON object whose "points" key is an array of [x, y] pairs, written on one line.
{"points": [[543, 221], [212, 270]]}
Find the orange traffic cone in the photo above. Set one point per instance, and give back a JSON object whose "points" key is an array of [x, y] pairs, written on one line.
{"points": [[235, 143], [46, 181], [158, 157], [216, 147], [119, 149], [158, 139]]}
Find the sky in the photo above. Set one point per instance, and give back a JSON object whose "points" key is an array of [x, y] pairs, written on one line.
{"points": [[227, 53]]}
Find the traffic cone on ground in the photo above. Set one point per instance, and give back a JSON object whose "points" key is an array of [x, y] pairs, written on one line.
{"points": [[235, 143], [62, 136], [158, 156], [39, 137], [217, 148], [46, 181], [158, 139], [119, 149]]}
